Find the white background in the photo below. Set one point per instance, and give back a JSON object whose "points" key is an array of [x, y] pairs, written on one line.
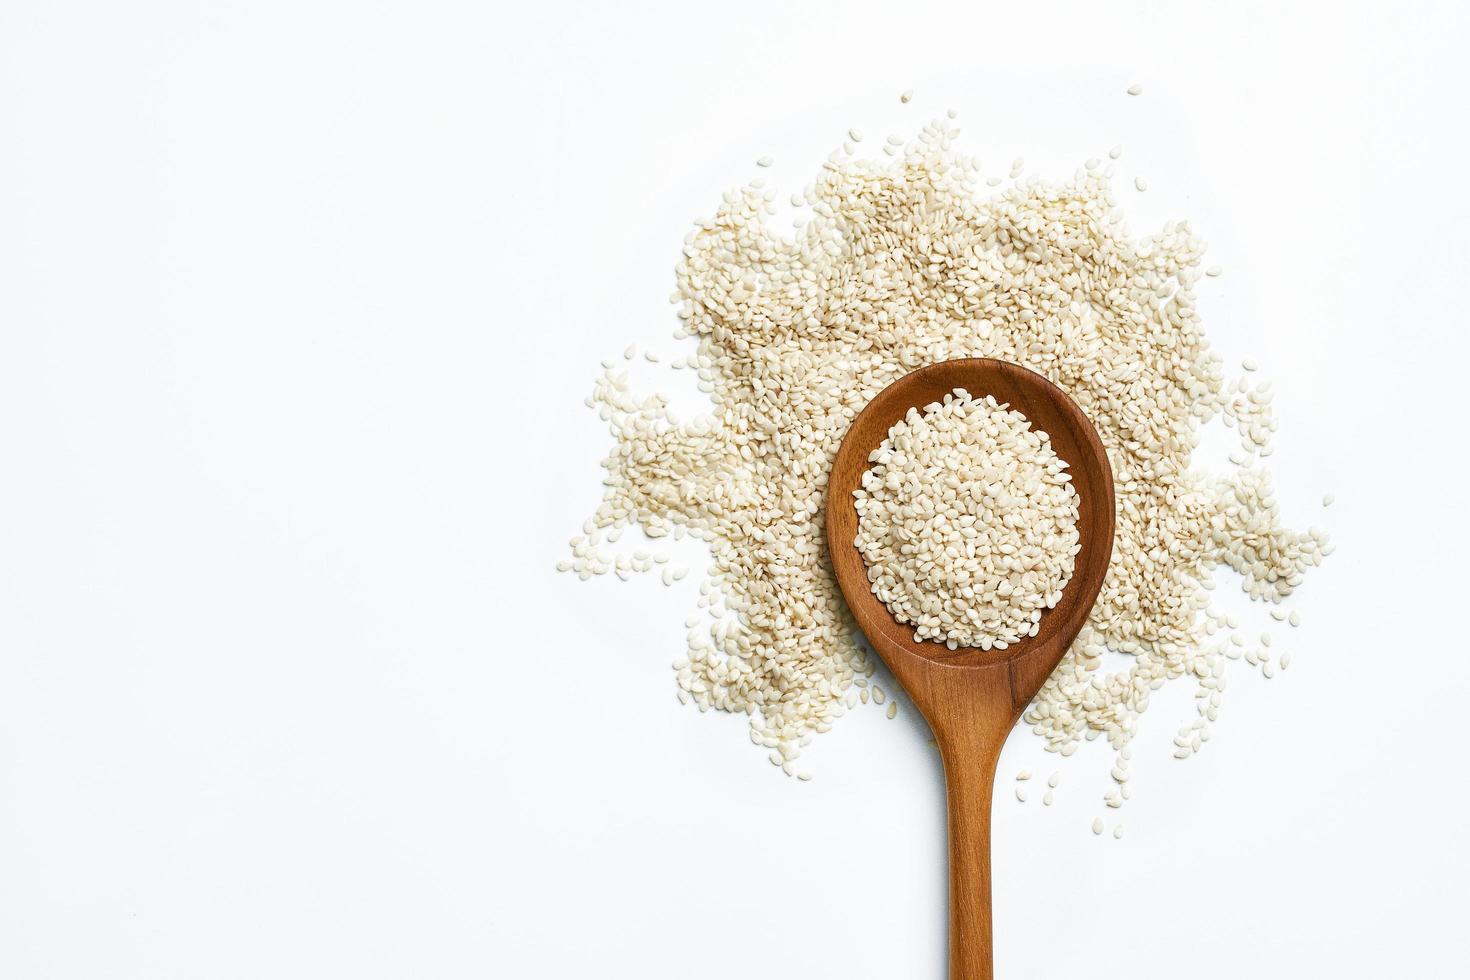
{"points": [[298, 303]]}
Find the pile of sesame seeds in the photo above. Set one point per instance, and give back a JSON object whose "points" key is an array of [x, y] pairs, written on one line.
{"points": [[896, 264], [967, 522]]}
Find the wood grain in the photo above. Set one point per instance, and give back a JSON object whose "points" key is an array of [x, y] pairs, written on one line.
{"points": [[972, 698]]}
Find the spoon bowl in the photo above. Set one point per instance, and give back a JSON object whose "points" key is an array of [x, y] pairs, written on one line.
{"points": [[971, 698]]}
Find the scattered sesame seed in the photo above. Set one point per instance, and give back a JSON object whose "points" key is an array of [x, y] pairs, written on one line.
{"points": [[793, 680], [1140, 183], [1327, 500], [907, 96], [1135, 90]]}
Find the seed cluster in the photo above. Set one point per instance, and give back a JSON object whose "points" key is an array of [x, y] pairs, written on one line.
{"points": [[967, 522], [896, 264]]}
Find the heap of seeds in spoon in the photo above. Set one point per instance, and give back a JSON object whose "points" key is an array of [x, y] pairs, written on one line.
{"points": [[903, 263], [967, 523]]}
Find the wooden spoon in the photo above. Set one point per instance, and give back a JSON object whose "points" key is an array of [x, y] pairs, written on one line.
{"points": [[972, 698]]}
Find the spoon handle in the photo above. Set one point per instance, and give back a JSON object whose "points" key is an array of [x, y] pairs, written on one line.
{"points": [[969, 775]]}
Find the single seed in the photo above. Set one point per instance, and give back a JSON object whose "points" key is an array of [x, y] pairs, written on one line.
{"points": [[1118, 832], [1248, 364], [1135, 90], [764, 162], [1097, 826], [892, 709], [1327, 500], [1020, 794], [1295, 619], [905, 97], [1140, 183]]}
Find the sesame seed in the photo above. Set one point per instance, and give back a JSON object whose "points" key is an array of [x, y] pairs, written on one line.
{"points": [[1135, 90], [785, 361]]}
